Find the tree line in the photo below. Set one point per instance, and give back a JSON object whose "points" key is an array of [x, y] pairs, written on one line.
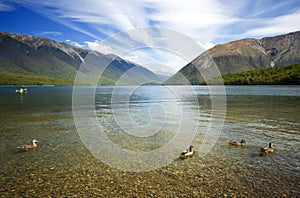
{"points": [[282, 75]]}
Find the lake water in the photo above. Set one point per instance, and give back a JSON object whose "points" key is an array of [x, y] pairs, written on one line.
{"points": [[62, 165]]}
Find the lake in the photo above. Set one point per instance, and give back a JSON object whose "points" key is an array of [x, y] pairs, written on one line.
{"points": [[126, 143]]}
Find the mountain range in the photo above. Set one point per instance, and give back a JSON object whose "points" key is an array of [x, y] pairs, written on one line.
{"points": [[28, 59], [242, 55], [33, 60]]}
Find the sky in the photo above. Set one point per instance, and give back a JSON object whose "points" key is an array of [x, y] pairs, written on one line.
{"points": [[110, 26]]}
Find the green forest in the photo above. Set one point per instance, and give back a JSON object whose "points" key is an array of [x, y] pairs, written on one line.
{"points": [[19, 79], [283, 75]]}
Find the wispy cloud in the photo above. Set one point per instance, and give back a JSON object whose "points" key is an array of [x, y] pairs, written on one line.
{"points": [[194, 18], [201, 20], [100, 47], [277, 25], [5, 7], [51, 33], [74, 43]]}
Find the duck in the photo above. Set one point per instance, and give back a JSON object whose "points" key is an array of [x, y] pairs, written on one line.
{"points": [[25, 147], [22, 90], [269, 149], [235, 143], [187, 152]]}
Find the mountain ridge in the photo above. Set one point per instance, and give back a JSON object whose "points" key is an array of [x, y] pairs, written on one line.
{"points": [[26, 55], [243, 55]]}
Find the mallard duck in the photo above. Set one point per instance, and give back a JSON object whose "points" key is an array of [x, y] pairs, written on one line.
{"points": [[187, 152], [234, 143], [267, 150], [22, 90], [25, 147]]}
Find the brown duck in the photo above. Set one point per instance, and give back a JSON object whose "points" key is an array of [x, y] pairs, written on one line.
{"points": [[25, 147], [235, 143], [266, 150]]}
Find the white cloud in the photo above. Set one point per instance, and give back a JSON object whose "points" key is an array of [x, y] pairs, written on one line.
{"points": [[160, 69], [148, 57], [189, 17], [201, 20], [100, 47], [133, 58], [277, 25], [74, 43], [206, 46], [52, 33]]}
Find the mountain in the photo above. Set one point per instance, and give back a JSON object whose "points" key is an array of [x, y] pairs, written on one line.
{"points": [[243, 55], [33, 60]]}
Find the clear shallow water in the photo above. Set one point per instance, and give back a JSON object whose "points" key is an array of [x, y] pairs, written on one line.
{"points": [[62, 166]]}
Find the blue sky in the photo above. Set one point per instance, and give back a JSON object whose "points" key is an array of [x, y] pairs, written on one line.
{"points": [[89, 23]]}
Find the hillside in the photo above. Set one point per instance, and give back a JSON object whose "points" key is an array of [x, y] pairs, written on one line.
{"points": [[244, 55], [33, 60], [282, 75]]}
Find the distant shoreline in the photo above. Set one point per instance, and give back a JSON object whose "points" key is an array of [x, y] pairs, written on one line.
{"points": [[139, 85], [283, 75]]}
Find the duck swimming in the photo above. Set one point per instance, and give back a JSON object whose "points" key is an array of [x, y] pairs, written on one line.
{"points": [[234, 143], [25, 147], [267, 150], [22, 90], [187, 152]]}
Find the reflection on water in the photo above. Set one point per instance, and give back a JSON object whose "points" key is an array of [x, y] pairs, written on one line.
{"points": [[62, 166]]}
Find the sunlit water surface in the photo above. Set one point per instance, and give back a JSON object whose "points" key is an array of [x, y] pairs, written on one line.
{"points": [[63, 166]]}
